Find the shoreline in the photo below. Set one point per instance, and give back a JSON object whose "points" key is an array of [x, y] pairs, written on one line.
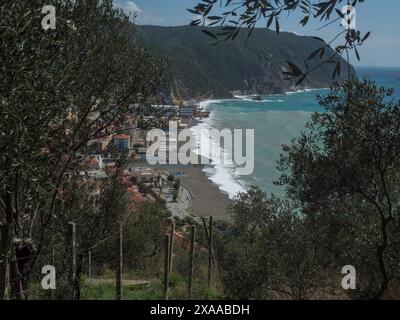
{"points": [[241, 96], [219, 177]]}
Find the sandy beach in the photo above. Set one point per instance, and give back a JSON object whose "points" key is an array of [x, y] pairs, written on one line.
{"points": [[207, 198]]}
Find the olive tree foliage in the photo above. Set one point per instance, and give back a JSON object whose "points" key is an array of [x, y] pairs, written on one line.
{"points": [[95, 207], [345, 170], [341, 207], [145, 235], [60, 89], [245, 14], [269, 251]]}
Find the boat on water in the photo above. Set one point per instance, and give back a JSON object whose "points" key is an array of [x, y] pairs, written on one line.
{"points": [[257, 98], [201, 114]]}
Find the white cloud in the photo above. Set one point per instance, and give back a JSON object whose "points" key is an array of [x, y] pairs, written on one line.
{"points": [[142, 16], [131, 8]]}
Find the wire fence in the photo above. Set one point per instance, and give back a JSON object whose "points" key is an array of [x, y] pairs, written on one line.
{"points": [[108, 254]]}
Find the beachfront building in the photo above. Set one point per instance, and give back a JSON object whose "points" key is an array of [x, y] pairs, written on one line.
{"points": [[161, 110], [168, 110], [135, 196], [186, 112], [140, 175], [122, 141]]}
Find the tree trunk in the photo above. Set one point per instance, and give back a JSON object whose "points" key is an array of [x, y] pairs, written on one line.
{"points": [[380, 254], [17, 291], [77, 280], [15, 276], [5, 257]]}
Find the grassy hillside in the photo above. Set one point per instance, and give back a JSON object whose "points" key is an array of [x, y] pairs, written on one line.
{"points": [[201, 68]]}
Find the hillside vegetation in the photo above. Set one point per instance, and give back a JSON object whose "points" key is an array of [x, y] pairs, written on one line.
{"points": [[200, 68]]}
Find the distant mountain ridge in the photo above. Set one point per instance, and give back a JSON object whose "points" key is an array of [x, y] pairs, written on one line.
{"points": [[199, 69]]}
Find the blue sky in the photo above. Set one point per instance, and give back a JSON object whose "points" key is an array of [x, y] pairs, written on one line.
{"points": [[381, 17]]}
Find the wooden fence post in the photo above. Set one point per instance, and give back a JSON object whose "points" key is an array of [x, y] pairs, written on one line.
{"points": [[191, 261], [5, 253], [118, 271], [90, 263], [72, 256], [166, 267], [171, 246], [78, 274], [208, 239], [210, 251]]}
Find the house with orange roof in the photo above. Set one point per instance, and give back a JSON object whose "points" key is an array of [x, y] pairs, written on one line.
{"points": [[122, 141]]}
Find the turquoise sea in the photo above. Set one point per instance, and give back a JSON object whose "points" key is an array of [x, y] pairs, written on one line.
{"points": [[277, 119]]}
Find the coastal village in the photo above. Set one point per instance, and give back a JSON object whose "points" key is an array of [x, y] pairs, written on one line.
{"points": [[143, 182]]}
